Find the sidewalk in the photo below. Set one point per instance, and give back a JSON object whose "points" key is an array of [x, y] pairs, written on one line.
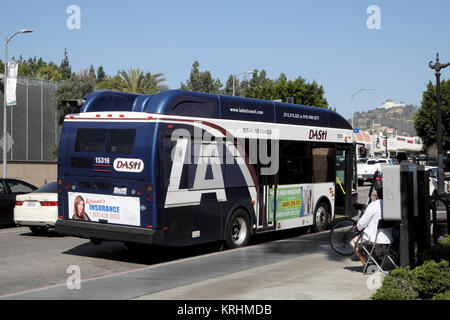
{"points": [[310, 277]]}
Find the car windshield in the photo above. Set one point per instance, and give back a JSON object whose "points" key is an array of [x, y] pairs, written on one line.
{"points": [[371, 162], [51, 187]]}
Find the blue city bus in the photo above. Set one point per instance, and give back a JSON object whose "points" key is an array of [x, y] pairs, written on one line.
{"points": [[181, 168]]}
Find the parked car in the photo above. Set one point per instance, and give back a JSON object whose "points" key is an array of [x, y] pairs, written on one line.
{"points": [[9, 189], [38, 210], [367, 170], [433, 181]]}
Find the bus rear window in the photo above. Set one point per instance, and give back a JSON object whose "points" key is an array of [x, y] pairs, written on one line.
{"points": [[120, 141]]}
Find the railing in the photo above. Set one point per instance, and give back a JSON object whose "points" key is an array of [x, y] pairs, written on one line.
{"points": [[443, 198]]}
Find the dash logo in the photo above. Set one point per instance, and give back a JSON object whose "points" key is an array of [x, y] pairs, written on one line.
{"points": [[317, 134], [128, 165]]}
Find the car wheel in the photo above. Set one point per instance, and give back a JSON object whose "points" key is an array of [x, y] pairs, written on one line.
{"points": [[38, 230]]}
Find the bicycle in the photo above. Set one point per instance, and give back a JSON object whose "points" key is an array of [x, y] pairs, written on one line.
{"points": [[344, 231]]}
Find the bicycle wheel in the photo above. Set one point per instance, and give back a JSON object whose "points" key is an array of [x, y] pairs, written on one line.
{"points": [[341, 236]]}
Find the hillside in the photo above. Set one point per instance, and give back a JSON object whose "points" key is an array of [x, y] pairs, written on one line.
{"points": [[399, 119]]}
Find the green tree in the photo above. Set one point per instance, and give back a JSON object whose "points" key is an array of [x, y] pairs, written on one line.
{"points": [[201, 81], [101, 75], [111, 83], [65, 67], [74, 88], [49, 73], [305, 93], [92, 72], [425, 119], [135, 80], [229, 86]]}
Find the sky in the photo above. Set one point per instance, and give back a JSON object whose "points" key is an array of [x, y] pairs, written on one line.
{"points": [[343, 45]]}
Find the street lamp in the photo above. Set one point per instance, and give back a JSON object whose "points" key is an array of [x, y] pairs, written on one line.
{"points": [[353, 95], [245, 72], [437, 66], [5, 77]]}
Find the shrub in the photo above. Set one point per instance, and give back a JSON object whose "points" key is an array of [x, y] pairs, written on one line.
{"points": [[425, 282], [442, 296], [431, 278], [397, 286], [439, 251], [445, 241]]}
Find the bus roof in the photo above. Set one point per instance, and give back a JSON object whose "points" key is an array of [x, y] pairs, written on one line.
{"points": [[205, 105]]}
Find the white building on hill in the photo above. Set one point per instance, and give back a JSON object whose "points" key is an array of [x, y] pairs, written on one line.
{"points": [[389, 103]]}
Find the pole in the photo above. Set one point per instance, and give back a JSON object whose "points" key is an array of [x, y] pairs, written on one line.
{"points": [[4, 108], [351, 103], [437, 66], [439, 133], [233, 83], [386, 139], [353, 95]]}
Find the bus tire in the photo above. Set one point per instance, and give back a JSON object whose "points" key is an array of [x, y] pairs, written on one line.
{"points": [[237, 231], [321, 217]]}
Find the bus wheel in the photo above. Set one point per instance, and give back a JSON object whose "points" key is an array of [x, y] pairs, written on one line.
{"points": [[238, 230], [321, 217]]}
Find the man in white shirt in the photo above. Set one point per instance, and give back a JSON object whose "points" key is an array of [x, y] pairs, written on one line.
{"points": [[369, 223]]}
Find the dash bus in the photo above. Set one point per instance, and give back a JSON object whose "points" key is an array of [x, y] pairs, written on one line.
{"points": [[181, 168]]}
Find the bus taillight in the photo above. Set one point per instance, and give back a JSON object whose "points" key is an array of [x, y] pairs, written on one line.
{"points": [[149, 190]]}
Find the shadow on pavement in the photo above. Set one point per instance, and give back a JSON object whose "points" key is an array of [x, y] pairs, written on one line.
{"points": [[286, 244]]}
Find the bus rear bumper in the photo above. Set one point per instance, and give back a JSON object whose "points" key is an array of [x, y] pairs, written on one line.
{"points": [[102, 231]]}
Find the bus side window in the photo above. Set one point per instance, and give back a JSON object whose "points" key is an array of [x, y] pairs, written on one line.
{"points": [[323, 164], [294, 163]]}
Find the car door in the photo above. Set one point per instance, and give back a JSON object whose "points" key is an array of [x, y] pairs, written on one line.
{"points": [[7, 202], [14, 187]]}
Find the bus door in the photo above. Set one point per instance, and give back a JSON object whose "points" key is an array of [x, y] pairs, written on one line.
{"points": [[266, 219], [343, 189]]}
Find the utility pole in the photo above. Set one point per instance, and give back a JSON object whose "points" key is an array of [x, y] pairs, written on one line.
{"points": [[437, 66]]}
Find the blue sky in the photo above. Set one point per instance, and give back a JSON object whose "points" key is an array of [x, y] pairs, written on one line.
{"points": [[323, 40]]}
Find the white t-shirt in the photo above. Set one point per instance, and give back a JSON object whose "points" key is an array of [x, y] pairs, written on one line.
{"points": [[369, 222]]}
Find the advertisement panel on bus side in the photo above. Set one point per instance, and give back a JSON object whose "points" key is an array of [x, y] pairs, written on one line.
{"points": [[110, 209]]}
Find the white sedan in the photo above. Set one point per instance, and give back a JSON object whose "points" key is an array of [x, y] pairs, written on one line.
{"points": [[433, 181], [38, 210]]}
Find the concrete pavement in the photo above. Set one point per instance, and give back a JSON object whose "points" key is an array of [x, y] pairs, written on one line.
{"points": [[315, 276]]}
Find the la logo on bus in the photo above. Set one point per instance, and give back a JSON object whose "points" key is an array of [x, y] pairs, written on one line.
{"points": [[317, 134], [128, 165]]}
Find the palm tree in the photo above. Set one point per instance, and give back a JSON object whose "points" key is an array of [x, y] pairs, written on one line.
{"points": [[134, 80]]}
